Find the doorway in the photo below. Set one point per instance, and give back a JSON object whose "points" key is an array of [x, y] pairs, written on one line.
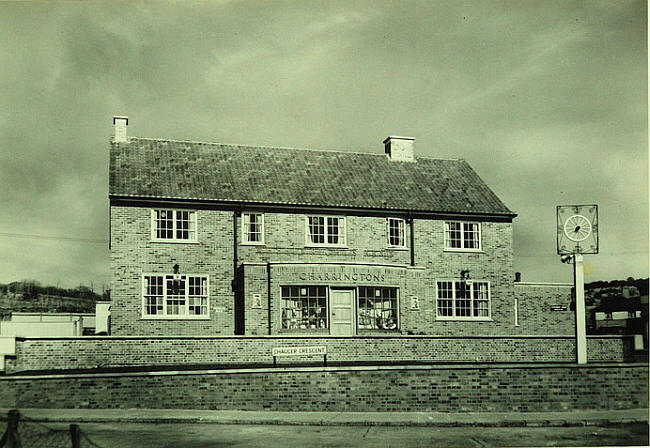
{"points": [[343, 313]]}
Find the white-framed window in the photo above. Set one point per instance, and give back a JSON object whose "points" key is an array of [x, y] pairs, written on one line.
{"points": [[324, 230], [252, 228], [304, 307], [378, 308], [396, 232], [175, 296], [173, 225], [462, 235], [459, 300]]}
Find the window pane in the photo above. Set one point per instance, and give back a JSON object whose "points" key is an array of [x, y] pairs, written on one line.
{"points": [[198, 296], [463, 301], [153, 295], [396, 232], [182, 225], [452, 235], [333, 230], [470, 236], [164, 223], [317, 229], [253, 227], [175, 295], [445, 299], [481, 299], [304, 307]]}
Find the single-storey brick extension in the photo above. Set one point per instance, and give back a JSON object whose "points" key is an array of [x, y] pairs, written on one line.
{"points": [[216, 239]]}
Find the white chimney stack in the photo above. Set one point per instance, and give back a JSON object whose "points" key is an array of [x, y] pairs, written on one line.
{"points": [[400, 148], [120, 123]]}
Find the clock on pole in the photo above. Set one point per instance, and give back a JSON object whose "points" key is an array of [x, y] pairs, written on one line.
{"points": [[577, 229], [577, 234]]}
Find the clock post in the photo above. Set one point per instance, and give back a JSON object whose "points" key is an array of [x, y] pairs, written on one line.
{"points": [[581, 327], [577, 234]]}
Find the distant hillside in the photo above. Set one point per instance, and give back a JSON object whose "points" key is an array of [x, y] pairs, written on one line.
{"points": [[640, 283], [595, 292], [29, 296]]}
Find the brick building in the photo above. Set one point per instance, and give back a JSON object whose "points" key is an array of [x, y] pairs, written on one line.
{"points": [[215, 239]]}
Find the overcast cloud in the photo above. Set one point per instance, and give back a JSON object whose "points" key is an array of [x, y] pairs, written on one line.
{"points": [[547, 101]]}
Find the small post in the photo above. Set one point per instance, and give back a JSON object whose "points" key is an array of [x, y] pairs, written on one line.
{"points": [[581, 330], [75, 435], [10, 438], [325, 360], [275, 364]]}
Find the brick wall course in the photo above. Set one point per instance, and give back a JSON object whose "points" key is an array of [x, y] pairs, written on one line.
{"points": [[535, 315], [34, 354], [445, 389]]}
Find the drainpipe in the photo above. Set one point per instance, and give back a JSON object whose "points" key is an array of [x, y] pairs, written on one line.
{"points": [[268, 291], [234, 248], [410, 221]]}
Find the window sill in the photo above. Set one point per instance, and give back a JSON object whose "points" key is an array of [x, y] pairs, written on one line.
{"points": [[175, 241], [403, 248], [304, 331], [465, 319], [370, 331], [175, 318], [252, 244], [325, 246], [473, 251]]}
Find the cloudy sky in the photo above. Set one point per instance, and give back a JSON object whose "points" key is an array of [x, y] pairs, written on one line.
{"points": [[546, 100]]}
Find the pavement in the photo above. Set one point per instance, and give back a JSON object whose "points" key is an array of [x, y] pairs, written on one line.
{"points": [[436, 419]]}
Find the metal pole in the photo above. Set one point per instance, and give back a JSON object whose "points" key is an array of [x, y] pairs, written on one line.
{"points": [[581, 327], [75, 436]]}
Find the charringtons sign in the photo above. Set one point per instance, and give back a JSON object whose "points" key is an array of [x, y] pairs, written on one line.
{"points": [[341, 277]]}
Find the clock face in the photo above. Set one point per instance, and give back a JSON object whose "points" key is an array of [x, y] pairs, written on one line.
{"points": [[577, 228]]}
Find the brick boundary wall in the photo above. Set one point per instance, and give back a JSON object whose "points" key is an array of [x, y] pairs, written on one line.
{"points": [[37, 354], [451, 388]]}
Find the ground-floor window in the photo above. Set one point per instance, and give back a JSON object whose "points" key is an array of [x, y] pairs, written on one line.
{"points": [[304, 307], [457, 299], [169, 295], [377, 308]]}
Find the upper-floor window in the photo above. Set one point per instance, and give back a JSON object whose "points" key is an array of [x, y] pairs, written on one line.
{"points": [[173, 225], [462, 235], [253, 228], [325, 231], [396, 232], [174, 295], [463, 300]]}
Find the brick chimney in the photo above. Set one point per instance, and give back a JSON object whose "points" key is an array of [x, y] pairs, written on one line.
{"points": [[400, 148], [119, 124]]}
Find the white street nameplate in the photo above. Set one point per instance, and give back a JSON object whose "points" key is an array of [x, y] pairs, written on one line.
{"points": [[297, 351]]}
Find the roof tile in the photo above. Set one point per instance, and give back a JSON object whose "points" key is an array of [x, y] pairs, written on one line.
{"points": [[210, 171]]}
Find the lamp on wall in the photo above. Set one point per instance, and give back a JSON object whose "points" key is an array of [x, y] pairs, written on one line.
{"points": [[465, 281]]}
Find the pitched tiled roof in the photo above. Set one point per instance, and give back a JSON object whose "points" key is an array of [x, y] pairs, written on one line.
{"points": [[148, 168]]}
